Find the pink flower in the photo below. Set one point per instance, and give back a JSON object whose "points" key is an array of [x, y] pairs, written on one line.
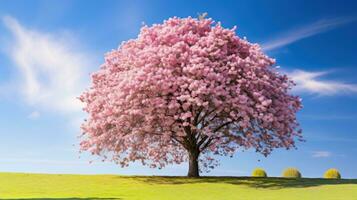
{"points": [[182, 84]]}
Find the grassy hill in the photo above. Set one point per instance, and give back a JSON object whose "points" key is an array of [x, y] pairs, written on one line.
{"points": [[106, 187]]}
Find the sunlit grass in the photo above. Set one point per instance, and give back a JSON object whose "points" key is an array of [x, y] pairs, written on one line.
{"points": [[44, 186]]}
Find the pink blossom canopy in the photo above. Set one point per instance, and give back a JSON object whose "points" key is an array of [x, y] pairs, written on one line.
{"points": [[187, 83]]}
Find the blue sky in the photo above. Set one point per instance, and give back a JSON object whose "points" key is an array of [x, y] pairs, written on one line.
{"points": [[48, 48]]}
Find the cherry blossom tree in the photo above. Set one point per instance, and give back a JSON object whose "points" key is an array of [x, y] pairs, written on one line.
{"points": [[187, 90]]}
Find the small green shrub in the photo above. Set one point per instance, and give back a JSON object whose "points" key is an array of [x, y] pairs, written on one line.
{"points": [[291, 173], [259, 172], [332, 174]]}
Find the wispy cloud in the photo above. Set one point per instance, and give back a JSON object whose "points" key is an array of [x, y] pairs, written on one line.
{"points": [[51, 67], [34, 115], [306, 31], [321, 154], [310, 82]]}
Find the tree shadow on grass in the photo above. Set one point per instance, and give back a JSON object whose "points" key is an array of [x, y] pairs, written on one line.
{"points": [[271, 183], [73, 198]]}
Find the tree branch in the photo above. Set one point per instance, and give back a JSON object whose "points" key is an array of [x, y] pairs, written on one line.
{"points": [[205, 115], [207, 143], [195, 121], [221, 126]]}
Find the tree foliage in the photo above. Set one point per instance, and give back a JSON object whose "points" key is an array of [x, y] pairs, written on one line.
{"points": [[187, 88]]}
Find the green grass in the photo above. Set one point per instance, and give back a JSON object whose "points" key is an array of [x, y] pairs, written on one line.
{"points": [[45, 186]]}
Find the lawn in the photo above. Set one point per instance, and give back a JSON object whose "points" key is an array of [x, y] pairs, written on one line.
{"points": [[45, 186]]}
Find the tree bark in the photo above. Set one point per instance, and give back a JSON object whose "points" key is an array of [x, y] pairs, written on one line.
{"points": [[193, 170]]}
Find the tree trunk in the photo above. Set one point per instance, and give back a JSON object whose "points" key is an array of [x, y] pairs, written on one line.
{"points": [[193, 170]]}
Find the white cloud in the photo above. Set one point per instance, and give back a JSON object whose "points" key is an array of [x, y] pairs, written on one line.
{"points": [[52, 69], [34, 115], [309, 30], [309, 82], [321, 154]]}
